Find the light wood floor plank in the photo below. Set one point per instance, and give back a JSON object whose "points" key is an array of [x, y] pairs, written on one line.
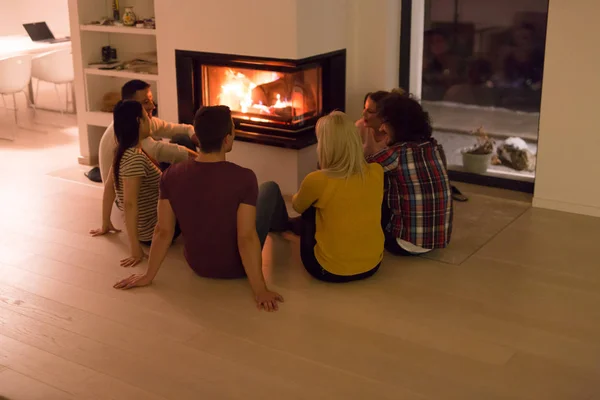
{"points": [[167, 351], [171, 372], [98, 304], [70, 377], [15, 386], [392, 324]]}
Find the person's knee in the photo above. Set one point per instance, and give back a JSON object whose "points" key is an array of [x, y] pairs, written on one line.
{"points": [[269, 188]]}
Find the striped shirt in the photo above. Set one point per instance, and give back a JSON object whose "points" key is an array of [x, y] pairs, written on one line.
{"points": [[135, 163], [419, 195]]}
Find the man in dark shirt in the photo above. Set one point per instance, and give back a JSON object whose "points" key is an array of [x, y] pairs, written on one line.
{"points": [[223, 215]]}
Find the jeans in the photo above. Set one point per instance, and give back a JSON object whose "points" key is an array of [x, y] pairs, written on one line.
{"points": [[391, 243], [307, 253], [271, 213], [176, 234], [180, 139]]}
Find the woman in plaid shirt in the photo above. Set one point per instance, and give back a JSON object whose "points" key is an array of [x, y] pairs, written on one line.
{"points": [[417, 207]]}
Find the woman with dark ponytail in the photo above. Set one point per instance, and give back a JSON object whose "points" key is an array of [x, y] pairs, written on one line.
{"points": [[134, 181]]}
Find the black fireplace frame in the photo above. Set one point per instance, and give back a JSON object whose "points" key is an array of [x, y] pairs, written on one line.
{"points": [[333, 85]]}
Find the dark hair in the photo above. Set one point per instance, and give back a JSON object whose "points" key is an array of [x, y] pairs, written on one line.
{"points": [[376, 97], [126, 117], [407, 118], [130, 88], [212, 124], [436, 32], [380, 95]]}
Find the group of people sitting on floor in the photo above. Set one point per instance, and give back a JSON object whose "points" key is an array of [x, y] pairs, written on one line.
{"points": [[381, 183]]}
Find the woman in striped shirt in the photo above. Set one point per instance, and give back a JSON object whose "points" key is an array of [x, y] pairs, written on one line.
{"points": [[134, 181]]}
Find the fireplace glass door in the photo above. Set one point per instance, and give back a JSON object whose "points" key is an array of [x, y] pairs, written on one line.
{"points": [[286, 99]]}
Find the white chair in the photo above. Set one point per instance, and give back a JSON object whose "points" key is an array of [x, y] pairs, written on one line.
{"points": [[55, 67], [15, 75]]}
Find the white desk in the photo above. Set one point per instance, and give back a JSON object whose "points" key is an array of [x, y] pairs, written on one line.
{"points": [[22, 44]]}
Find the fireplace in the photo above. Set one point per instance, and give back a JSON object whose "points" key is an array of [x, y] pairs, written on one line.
{"points": [[274, 102]]}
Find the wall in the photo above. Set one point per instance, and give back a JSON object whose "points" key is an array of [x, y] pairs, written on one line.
{"points": [[373, 30], [320, 26], [15, 13], [569, 141]]}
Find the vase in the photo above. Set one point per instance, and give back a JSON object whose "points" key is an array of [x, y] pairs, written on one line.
{"points": [[129, 17], [476, 163]]}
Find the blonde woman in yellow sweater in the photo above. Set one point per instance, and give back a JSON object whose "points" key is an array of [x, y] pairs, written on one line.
{"points": [[341, 238]]}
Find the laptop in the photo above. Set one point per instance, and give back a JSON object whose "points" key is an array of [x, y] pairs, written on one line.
{"points": [[39, 32]]}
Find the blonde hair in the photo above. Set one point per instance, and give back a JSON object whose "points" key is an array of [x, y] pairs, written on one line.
{"points": [[339, 146]]}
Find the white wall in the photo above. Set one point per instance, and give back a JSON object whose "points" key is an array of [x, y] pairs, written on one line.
{"points": [[373, 49], [15, 13], [321, 26], [567, 176]]}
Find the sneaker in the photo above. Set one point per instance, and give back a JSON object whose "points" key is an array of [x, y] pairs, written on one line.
{"points": [[94, 175]]}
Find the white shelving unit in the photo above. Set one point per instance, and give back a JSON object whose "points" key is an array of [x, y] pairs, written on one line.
{"points": [[120, 74], [118, 29], [98, 118], [93, 85]]}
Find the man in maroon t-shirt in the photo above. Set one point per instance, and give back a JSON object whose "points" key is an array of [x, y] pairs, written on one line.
{"points": [[223, 215]]}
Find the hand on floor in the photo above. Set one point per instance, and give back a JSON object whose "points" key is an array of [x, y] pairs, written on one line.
{"points": [[133, 281], [268, 301], [136, 258], [106, 228]]}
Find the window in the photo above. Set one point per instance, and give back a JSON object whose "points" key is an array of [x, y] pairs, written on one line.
{"points": [[482, 67]]}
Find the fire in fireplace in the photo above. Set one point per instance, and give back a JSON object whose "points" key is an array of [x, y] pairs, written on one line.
{"points": [[273, 101], [264, 96]]}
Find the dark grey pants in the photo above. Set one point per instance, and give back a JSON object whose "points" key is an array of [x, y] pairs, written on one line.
{"points": [[271, 214], [180, 139]]}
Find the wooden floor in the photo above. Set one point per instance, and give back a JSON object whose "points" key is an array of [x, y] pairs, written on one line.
{"points": [[519, 319]]}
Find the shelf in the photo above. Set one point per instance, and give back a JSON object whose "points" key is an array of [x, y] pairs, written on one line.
{"points": [[120, 74], [118, 29], [98, 118], [505, 173]]}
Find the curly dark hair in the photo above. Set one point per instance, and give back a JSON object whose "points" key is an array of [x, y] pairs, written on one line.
{"points": [[376, 96], [408, 120]]}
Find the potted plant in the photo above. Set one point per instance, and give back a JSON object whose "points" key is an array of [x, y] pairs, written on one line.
{"points": [[477, 158]]}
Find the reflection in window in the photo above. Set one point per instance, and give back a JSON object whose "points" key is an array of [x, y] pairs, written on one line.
{"points": [[483, 64], [474, 59]]}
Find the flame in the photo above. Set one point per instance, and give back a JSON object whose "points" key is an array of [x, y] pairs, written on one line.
{"points": [[236, 92]]}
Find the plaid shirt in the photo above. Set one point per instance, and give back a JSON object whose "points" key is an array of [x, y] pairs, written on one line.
{"points": [[419, 195]]}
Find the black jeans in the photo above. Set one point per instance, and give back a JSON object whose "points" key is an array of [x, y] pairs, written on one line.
{"points": [[180, 139], [176, 234], [307, 253], [391, 243], [271, 213]]}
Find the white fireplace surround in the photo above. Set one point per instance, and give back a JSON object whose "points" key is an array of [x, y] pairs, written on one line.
{"points": [[370, 32], [294, 29], [291, 29]]}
